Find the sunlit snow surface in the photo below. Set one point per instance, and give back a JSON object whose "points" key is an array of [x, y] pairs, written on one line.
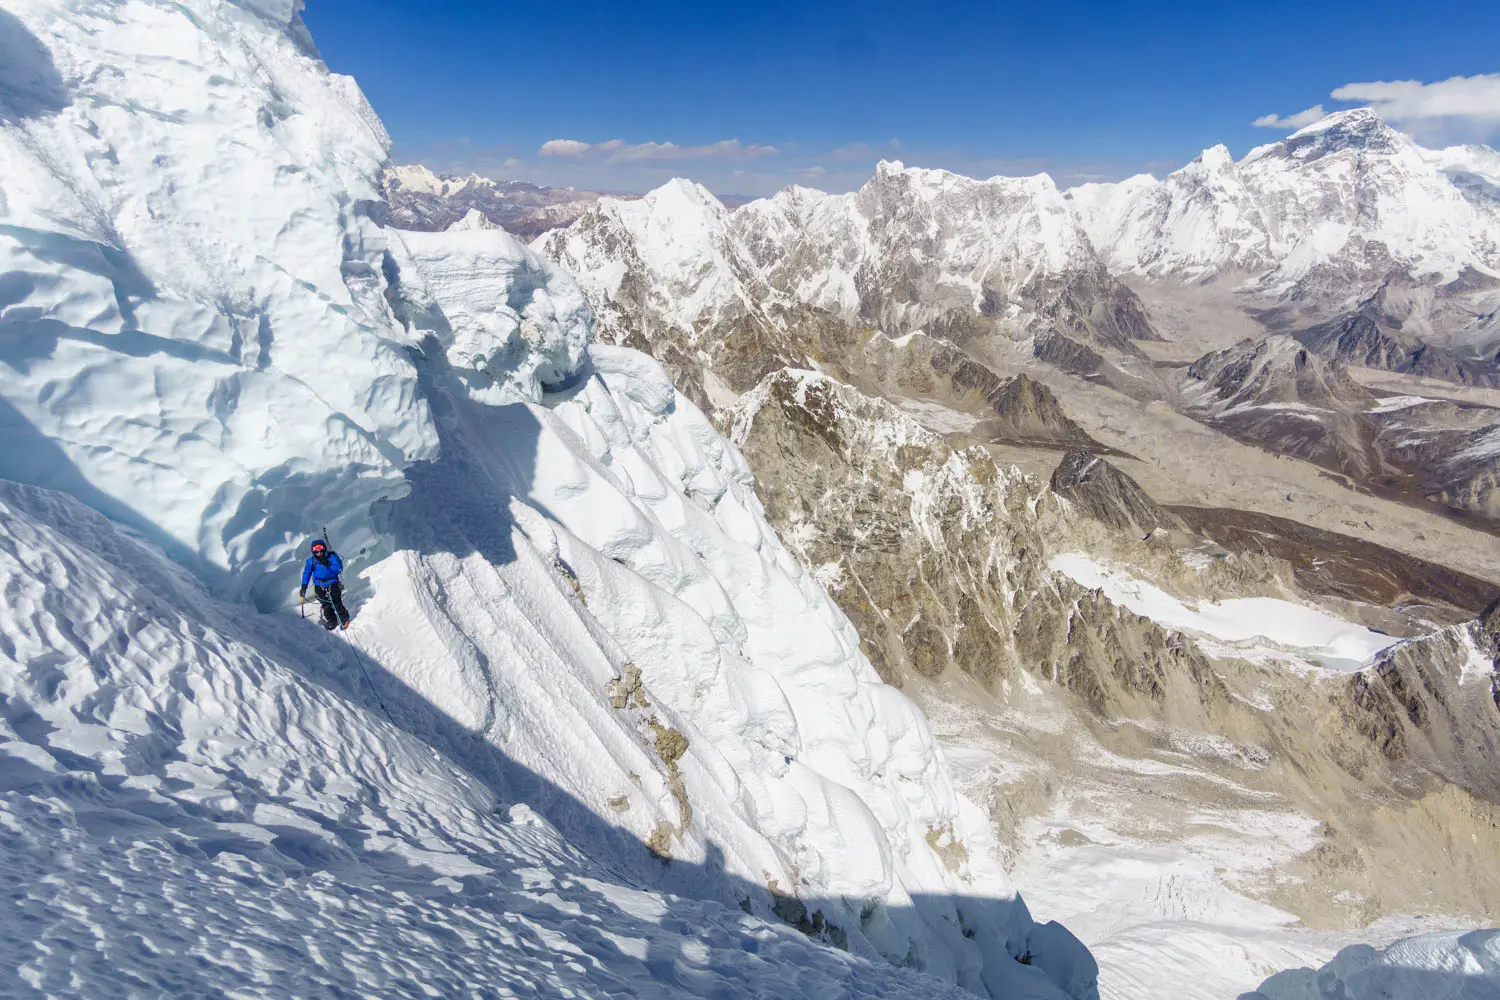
{"points": [[194, 801], [1448, 966], [575, 634], [1256, 627]]}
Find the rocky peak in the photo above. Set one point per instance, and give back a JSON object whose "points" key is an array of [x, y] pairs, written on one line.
{"points": [[1431, 707], [1279, 394], [1276, 370], [1358, 130], [1104, 493], [938, 555], [1027, 412]]}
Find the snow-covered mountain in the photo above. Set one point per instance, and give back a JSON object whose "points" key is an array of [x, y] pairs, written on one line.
{"points": [[1318, 224], [912, 249], [595, 730], [1348, 193], [420, 199], [920, 248]]}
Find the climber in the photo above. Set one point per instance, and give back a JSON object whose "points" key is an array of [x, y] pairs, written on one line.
{"points": [[323, 569]]}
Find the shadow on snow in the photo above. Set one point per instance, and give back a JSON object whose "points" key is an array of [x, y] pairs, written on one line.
{"points": [[457, 504]]}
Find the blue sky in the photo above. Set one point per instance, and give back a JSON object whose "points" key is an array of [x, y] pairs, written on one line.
{"points": [[748, 98]]}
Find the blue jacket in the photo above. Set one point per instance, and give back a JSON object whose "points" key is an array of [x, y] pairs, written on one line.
{"points": [[322, 574]]}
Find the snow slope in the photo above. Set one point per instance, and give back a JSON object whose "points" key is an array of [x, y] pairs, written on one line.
{"points": [[1448, 966], [193, 804], [1264, 626], [594, 726]]}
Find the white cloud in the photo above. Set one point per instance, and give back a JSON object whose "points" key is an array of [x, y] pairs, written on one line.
{"points": [[813, 173], [727, 149], [865, 151], [563, 147], [511, 161], [1301, 119], [620, 151], [1474, 99], [1457, 105]]}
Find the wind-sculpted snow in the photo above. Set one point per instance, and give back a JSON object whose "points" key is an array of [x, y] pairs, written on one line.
{"points": [[1447, 966], [190, 806], [193, 335], [595, 730], [509, 321], [746, 733]]}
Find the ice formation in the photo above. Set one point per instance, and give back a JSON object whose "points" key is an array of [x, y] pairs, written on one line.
{"points": [[595, 729]]}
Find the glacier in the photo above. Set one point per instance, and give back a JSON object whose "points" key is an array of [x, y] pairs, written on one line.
{"points": [[595, 729]]}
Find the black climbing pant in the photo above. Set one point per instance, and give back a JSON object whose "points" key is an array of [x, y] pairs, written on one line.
{"points": [[331, 600]]}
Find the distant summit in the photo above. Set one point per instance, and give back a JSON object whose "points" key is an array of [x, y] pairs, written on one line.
{"points": [[426, 201]]}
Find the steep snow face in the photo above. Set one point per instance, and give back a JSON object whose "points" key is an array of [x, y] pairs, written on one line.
{"points": [[236, 807], [194, 337], [781, 758], [1347, 194], [1461, 966], [507, 321], [668, 260]]}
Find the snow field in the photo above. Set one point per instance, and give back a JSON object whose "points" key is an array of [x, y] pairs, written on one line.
{"points": [[1254, 625]]}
